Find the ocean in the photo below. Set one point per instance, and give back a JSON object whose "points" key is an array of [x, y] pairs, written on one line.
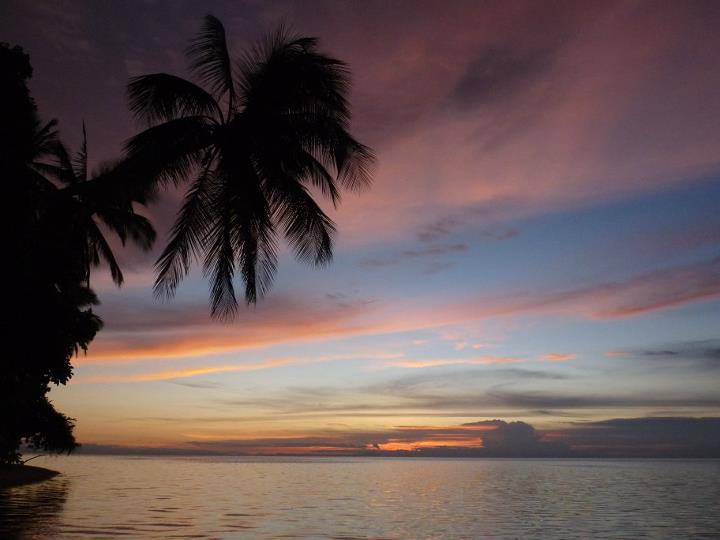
{"points": [[98, 497]]}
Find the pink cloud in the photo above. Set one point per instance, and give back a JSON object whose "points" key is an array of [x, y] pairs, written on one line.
{"points": [[613, 109], [136, 332]]}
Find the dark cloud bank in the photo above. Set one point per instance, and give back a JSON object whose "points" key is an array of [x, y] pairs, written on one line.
{"points": [[652, 437]]}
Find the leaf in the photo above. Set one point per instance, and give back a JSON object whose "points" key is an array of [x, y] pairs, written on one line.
{"points": [[160, 97], [187, 236], [167, 152], [101, 249], [209, 58], [79, 165]]}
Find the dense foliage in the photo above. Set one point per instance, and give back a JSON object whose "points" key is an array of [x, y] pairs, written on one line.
{"points": [[52, 212]]}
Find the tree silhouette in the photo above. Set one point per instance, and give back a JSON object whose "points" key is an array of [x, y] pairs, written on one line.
{"points": [[52, 210], [266, 130], [82, 205]]}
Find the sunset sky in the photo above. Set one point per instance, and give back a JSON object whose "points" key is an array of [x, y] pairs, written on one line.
{"points": [[541, 242]]}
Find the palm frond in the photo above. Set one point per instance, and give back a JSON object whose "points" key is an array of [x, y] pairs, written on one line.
{"points": [[354, 163], [54, 172], [308, 229], [327, 142], [160, 97], [122, 182], [209, 59], [219, 264], [80, 163], [294, 94], [256, 253], [52, 159], [253, 230], [45, 139], [241, 237], [101, 250], [128, 225], [306, 166], [287, 75], [335, 147], [187, 236], [166, 153]]}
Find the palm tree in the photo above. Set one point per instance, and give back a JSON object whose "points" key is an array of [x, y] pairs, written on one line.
{"points": [[265, 131], [81, 205]]}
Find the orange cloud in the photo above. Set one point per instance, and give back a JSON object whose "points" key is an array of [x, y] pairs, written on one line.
{"points": [[183, 373], [271, 363], [486, 359], [144, 331], [558, 357], [177, 331], [407, 438]]}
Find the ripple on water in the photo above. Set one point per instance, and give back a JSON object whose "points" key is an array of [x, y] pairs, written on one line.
{"points": [[365, 499]]}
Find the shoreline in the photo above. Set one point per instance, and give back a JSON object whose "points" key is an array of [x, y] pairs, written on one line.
{"points": [[20, 475]]}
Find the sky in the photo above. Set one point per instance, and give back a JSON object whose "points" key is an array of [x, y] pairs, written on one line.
{"points": [[535, 269]]}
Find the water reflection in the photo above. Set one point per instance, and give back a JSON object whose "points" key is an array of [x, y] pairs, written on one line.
{"points": [[344, 499], [34, 510]]}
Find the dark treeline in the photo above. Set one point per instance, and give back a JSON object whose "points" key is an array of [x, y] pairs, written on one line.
{"points": [[53, 208], [251, 142]]}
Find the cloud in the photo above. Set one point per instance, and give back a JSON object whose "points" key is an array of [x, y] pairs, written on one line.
{"points": [[658, 290], [410, 254], [481, 360], [237, 367], [499, 74], [163, 375], [646, 437], [622, 437], [702, 355], [467, 393], [530, 400], [483, 216], [645, 293], [197, 384], [558, 357], [696, 356], [457, 393], [91, 448], [587, 123], [517, 439], [502, 439], [138, 328], [708, 349]]}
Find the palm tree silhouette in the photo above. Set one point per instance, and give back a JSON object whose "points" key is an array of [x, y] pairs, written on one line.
{"points": [[270, 127], [82, 204]]}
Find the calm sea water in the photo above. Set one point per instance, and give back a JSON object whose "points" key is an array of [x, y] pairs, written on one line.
{"points": [[346, 499]]}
